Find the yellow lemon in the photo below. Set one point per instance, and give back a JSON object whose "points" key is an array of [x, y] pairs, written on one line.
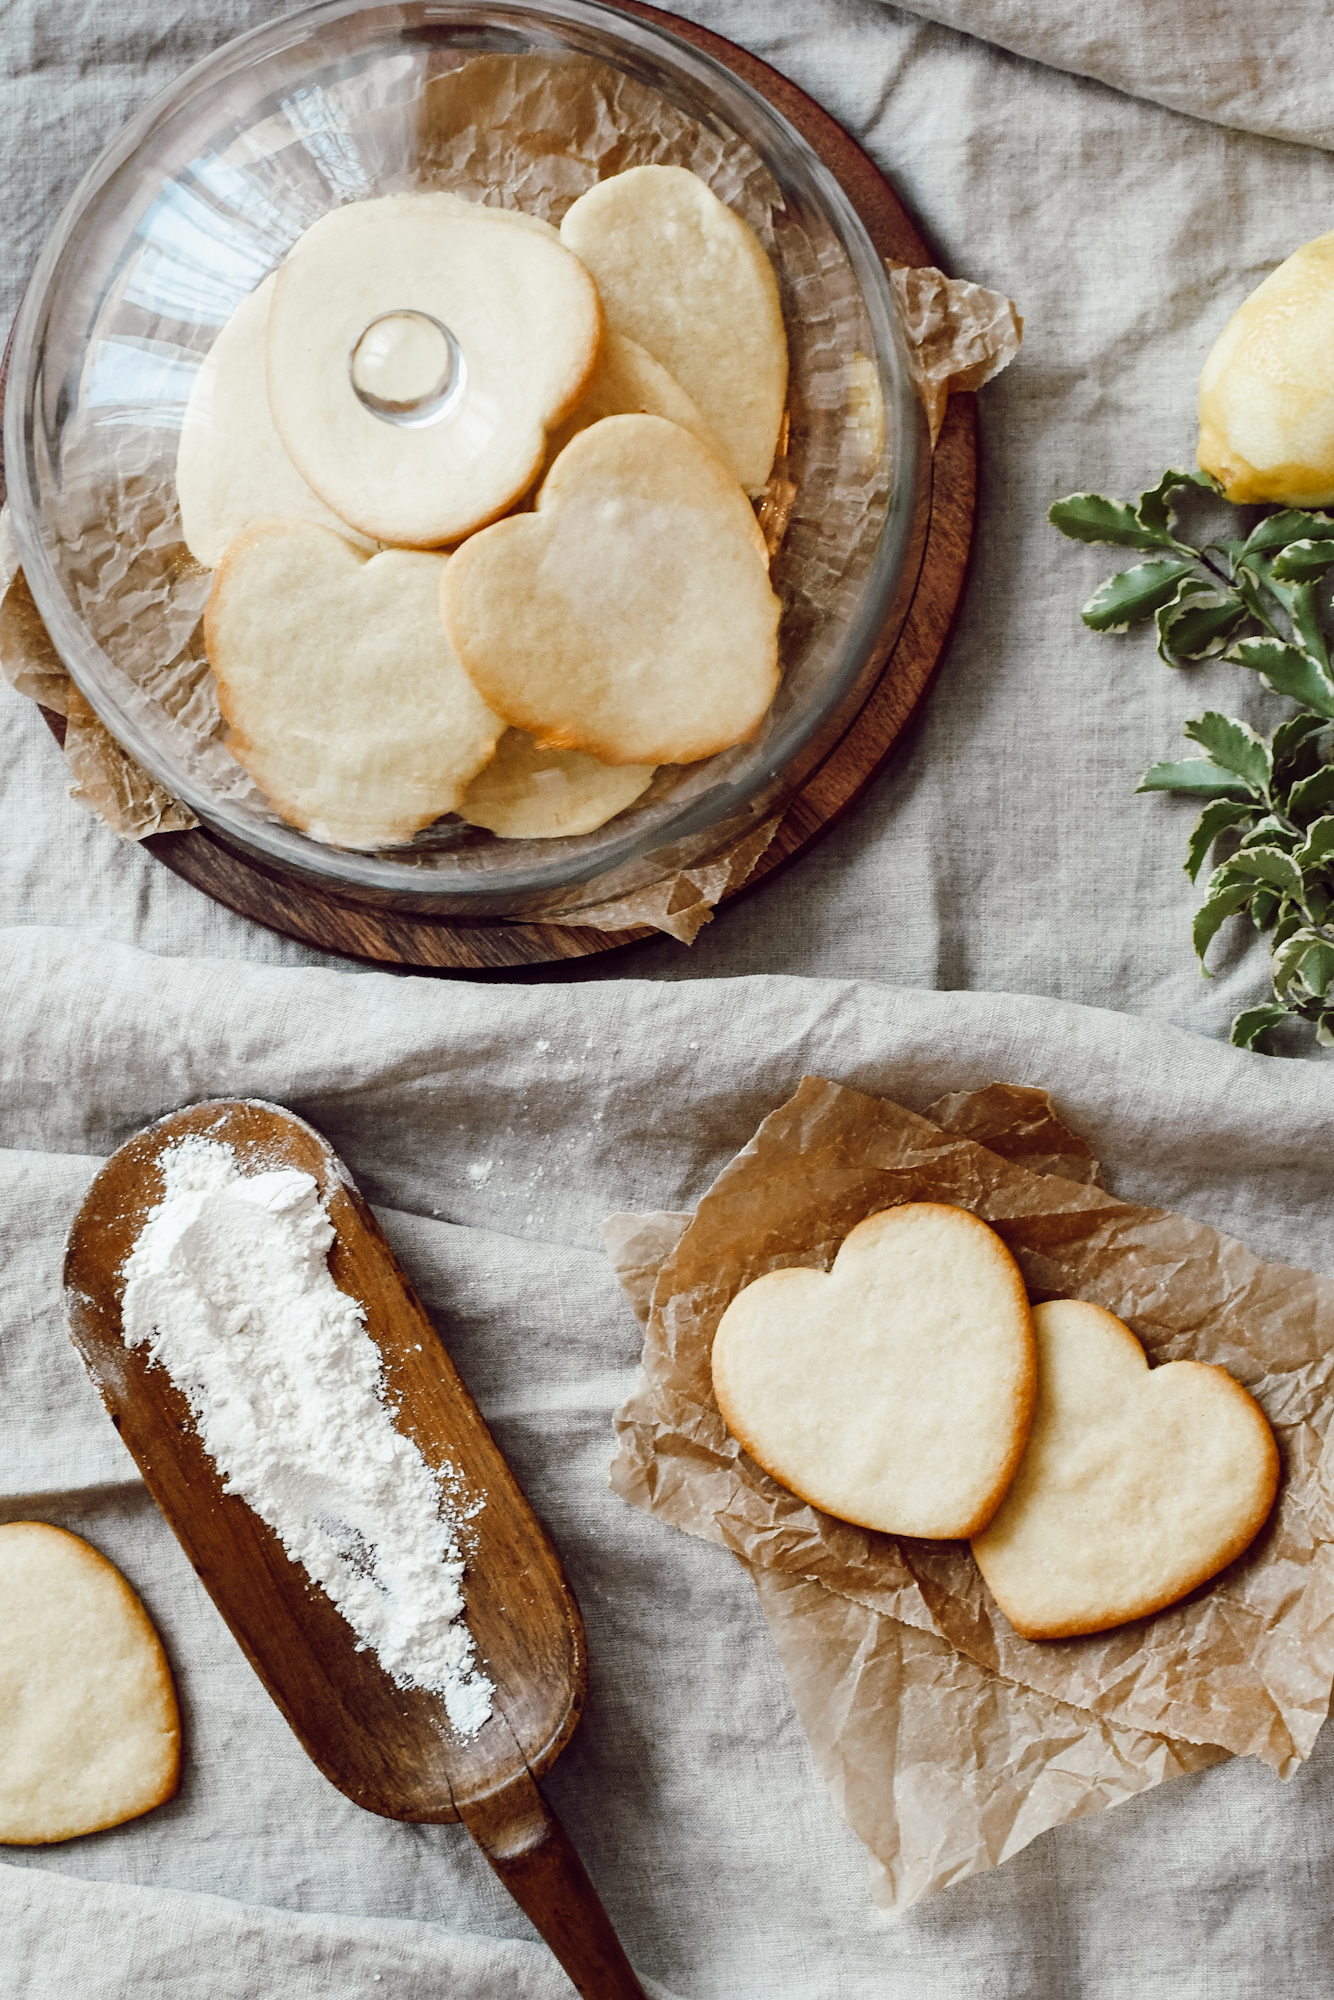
{"points": [[1267, 391]]}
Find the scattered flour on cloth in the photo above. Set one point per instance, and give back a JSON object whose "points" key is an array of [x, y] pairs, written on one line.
{"points": [[228, 1286]]}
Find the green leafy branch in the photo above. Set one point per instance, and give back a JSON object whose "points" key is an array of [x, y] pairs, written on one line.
{"points": [[1268, 805]]}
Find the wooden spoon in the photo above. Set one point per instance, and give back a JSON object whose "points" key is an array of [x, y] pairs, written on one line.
{"points": [[389, 1749]]}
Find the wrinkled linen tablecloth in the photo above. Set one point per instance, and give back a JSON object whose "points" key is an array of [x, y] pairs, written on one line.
{"points": [[1127, 175], [493, 1128]]}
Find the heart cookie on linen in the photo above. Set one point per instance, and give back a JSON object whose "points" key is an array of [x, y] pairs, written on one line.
{"points": [[1138, 1483], [90, 1735], [895, 1390], [630, 615], [343, 697]]}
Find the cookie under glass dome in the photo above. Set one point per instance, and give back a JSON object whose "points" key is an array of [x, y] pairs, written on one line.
{"points": [[524, 106]]}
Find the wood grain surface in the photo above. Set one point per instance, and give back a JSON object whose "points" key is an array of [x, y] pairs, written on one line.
{"points": [[902, 664], [390, 1749]]}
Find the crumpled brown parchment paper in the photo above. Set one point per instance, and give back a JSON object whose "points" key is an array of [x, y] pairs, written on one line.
{"points": [[959, 335], [681, 904], [949, 1742], [107, 783]]}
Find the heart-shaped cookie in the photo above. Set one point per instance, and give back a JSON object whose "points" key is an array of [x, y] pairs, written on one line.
{"points": [[630, 615], [1138, 1483], [89, 1731], [895, 1390], [342, 696]]}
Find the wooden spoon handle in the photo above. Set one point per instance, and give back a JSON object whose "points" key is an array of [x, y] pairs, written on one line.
{"points": [[532, 1854]]}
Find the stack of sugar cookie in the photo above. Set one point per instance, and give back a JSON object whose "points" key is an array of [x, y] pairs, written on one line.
{"points": [[910, 1389], [478, 498]]}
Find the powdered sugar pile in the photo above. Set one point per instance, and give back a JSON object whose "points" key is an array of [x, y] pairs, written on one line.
{"points": [[229, 1288]]}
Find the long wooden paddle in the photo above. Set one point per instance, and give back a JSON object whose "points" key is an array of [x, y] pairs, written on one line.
{"points": [[388, 1748]]}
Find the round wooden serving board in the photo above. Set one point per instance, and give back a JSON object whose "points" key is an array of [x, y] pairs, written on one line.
{"points": [[314, 915]]}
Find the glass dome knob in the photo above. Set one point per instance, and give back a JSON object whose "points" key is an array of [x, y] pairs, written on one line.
{"points": [[408, 369]]}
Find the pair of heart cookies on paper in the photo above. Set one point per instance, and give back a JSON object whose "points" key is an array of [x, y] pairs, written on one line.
{"points": [[910, 1389], [89, 1730]]}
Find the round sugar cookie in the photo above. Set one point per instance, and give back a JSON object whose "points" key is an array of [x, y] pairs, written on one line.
{"points": [[683, 275], [628, 382], [529, 794], [1137, 1485], [630, 615], [895, 1390], [231, 469], [343, 697], [528, 323], [90, 1735]]}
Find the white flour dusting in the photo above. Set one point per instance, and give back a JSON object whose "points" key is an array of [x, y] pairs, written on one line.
{"points": [[229, 1288]]}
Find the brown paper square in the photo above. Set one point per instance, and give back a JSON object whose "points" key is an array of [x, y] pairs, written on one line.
{"points": [[948, 1740]]}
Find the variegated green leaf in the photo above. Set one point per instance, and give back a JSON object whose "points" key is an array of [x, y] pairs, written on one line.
{"points": [[1259, 574], [1091, 517], [1289, 923], [1317, 851], [1303, 968], [1272, 832], [1304, 610], [1197, 622], [1215, 819], [1288, 955], [1134, 594], [1308, 795], [1295, 747], [1303, 562], [1250, 1027], [1235, 746], [1276, 531], [1196, 777], [1324, 1031], [1155, 510], [1223, 902], [1288, 670], [1267, 864], [1316, 970], [1251, 588]]}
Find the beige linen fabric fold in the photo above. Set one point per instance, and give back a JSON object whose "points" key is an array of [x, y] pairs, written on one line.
{"points": [[78, 1937], [494, 1128], [1257, 69]]}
